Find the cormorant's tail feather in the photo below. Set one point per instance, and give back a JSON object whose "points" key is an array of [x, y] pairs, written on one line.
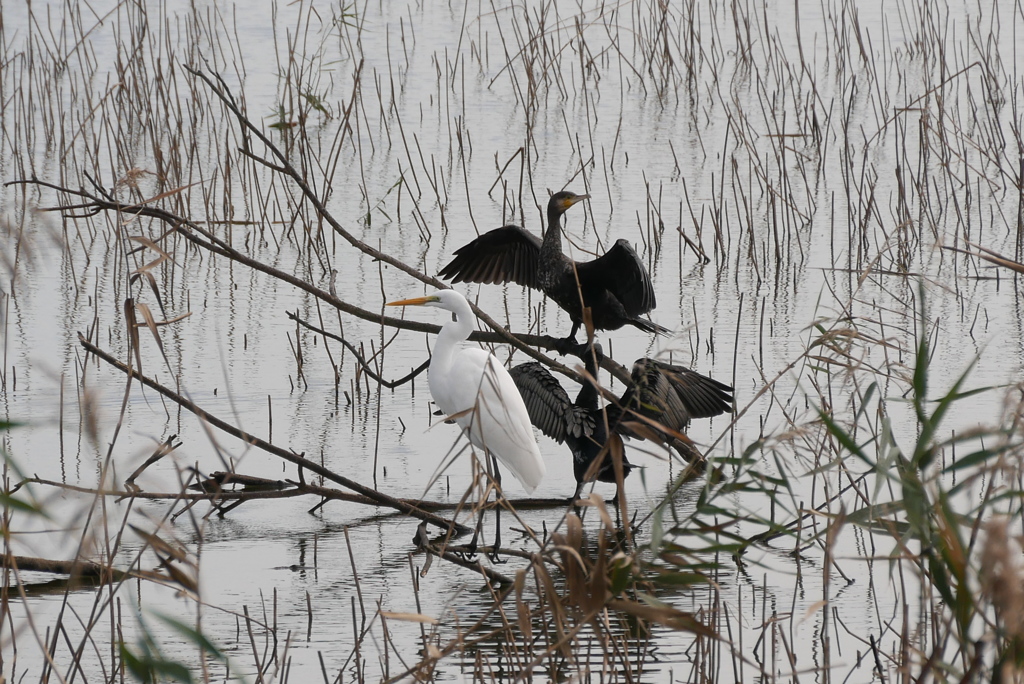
{"points": [[649, 326]]}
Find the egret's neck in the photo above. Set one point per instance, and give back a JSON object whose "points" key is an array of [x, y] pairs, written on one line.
{"points": [[453, 333]]}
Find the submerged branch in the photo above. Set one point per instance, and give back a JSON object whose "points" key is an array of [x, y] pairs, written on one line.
{"points": [[77, 569], [294, 489], [377, 497]]}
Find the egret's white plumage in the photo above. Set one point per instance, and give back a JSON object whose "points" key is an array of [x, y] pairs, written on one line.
{"points": [[470, 384]]}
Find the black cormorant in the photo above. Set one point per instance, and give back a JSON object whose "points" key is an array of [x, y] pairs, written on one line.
{"points": [[668, 396], [616, 286]]}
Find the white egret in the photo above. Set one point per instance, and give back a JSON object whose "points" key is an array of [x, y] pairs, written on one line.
{"points": [[470, 385]]}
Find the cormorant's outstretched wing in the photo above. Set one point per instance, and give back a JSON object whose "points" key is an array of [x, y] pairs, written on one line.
{"points": [[701, 396], [501, 255], [621, 272], [548, 404], [673, 395]]}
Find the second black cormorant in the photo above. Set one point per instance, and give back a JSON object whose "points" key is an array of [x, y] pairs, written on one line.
{"points": [[666, 395]]}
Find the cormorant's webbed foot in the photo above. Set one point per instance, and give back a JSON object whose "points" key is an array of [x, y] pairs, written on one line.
{"points": [[568, 346], [575, 495]]}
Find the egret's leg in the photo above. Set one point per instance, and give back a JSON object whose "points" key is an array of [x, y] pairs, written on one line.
{"points": [[471, 546], [499, 495]]}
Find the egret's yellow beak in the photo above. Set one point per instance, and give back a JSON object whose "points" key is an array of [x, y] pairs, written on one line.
{"points": [[415, 301]]}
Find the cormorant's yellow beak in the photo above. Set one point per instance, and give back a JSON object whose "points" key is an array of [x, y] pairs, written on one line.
{"points": [[569, 201], [415, 301]]}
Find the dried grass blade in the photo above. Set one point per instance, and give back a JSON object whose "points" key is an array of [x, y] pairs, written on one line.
{"points": [[163, 195], [133, 331], [663, 615], [151, 324], [143, 240], [409, 617]]}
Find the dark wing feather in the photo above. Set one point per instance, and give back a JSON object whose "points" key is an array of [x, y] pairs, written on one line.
{"points": [[702, 397], [621, 272], [672, 396], [498, 256], [580, 422], [546, 401], [680, 393], [652, 395]]}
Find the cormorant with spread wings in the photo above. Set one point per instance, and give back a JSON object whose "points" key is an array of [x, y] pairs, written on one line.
{"points": [[615, 286]]}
